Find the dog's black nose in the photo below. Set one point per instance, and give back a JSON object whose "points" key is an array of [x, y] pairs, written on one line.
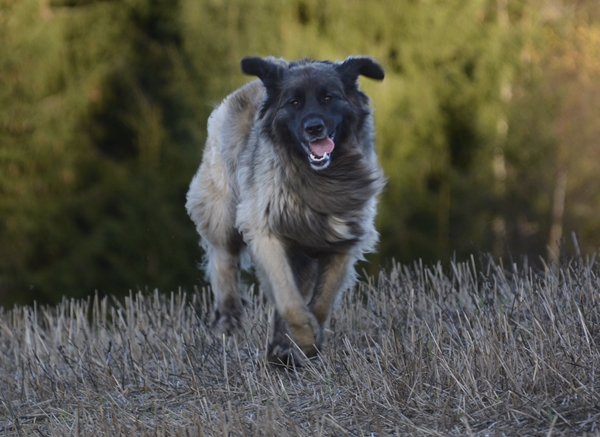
{"points": [[314, 126]]}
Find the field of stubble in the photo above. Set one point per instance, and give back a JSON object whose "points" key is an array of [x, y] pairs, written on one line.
{"points": [[482, 349]]}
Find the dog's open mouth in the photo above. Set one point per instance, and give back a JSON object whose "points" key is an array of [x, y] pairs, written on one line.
{"points": [[320, 152]]}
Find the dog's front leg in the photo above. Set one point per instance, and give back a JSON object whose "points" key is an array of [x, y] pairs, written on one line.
{"points": [[335, 274], [223, 270], [270, 254]]}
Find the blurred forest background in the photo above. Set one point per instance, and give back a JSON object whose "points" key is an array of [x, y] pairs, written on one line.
{"points": [[488, 127]]}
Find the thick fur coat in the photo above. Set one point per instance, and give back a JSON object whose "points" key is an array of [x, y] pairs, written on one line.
{"points": [[290, 177]]}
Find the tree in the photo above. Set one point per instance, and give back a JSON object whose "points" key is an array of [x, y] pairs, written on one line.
{"points": [[102, 158], [486, 106]]}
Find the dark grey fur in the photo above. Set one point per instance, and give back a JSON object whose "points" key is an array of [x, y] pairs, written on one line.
{"points": [[289, 176]]}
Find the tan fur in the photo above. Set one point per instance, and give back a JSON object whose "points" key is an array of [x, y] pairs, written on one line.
{"points": [[243, 199]]}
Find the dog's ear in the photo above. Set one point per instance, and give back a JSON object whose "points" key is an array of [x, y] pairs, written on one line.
{"points": [[353, 67], [267, 70]]}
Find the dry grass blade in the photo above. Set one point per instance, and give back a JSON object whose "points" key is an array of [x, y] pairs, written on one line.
{"points": [[418, 352]]}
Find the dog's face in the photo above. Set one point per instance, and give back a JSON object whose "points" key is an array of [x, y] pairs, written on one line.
{"points": [[312, 102]]}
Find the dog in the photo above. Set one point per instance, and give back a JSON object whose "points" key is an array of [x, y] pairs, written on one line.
{"points": [[290, 177]]}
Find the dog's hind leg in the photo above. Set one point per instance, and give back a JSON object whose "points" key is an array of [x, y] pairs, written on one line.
{"points": [[305, 272], [336, 273], [224, 274]]}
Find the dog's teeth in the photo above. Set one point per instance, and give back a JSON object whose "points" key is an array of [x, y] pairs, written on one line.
{"points": [[318, 159]]}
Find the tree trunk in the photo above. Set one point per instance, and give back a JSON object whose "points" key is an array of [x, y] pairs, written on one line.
{"points": [[558, 212]]}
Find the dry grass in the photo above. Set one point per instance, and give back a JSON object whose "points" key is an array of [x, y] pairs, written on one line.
{"points": [[484, 352]]}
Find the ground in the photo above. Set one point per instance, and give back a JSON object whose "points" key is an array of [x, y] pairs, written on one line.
{"points": [[475, 350]]}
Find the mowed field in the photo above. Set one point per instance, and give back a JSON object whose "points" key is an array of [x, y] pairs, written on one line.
{"points": [[480, 349]]}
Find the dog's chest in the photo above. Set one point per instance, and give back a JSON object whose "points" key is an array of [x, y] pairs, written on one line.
{"points": [[292, 215], [315, 211]]}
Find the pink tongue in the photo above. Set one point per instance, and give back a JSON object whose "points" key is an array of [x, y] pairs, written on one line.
{"points": [[321, 147]]}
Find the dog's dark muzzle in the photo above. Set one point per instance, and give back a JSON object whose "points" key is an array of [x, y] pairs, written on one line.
{"points": [[319, 142], [314, 127]]}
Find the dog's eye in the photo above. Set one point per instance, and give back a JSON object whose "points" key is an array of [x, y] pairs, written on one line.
{"points": [[328, 98], [295, 103]]}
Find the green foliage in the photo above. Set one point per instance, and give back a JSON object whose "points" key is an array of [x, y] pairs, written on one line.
{"points": [[103, 107], [99, 152]]}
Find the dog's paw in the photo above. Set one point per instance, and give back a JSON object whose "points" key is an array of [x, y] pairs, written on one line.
{"points": [[280, 354], [306, 333], [229, 317], [288, 355], [286, 350]]}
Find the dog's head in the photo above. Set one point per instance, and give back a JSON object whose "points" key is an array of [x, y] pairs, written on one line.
{"points": [[312, 104]]}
